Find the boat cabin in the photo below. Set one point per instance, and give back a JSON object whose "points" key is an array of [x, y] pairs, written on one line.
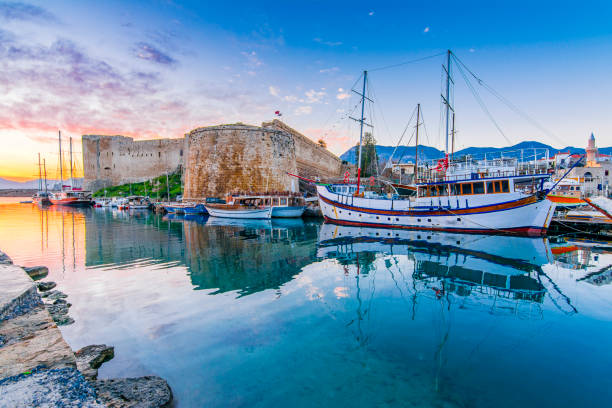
{"points": [[466, 188]]}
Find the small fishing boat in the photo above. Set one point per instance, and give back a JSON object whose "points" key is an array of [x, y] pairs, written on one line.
{"points": [[41, 197], [287, 205], [138, 203], [26, 202], [194, 209], [566, 194], [242, 207], [102, 202]]}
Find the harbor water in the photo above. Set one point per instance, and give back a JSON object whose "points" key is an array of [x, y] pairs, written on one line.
{"points": [[260, 313]]}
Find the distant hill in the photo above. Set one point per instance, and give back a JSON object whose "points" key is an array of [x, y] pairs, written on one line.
{"points": [[406, 154], [33, 184]]}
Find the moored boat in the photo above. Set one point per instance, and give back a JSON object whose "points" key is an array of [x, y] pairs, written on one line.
{"points": [[242, 207], [284, 205], [238, 211], [72, 197]]}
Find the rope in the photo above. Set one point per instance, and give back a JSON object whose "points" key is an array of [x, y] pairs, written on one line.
{"points": [[481, 103], [508, 103], [407, 62]]}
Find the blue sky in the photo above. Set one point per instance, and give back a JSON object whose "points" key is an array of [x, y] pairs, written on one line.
{"points": [[162, 68]]}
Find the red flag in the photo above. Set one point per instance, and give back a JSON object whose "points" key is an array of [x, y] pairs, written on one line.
{"points": [[278, 113]]}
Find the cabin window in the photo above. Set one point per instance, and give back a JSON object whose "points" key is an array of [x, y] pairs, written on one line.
{"points": [[490, 189], [466, 188], [505, 186], [456, 189], [497, 186], [479, 188], [442, 191], [283, 201]]}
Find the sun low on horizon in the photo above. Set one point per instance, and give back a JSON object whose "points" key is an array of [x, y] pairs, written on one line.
{"points": [[151, 70]]}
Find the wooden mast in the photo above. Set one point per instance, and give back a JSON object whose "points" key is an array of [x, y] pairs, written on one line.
{"points": [[416, 149], [365, 78], [61, 164]]}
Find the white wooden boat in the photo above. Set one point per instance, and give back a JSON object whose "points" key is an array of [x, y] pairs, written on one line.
{"points": [[471, 199], [486, 196], [288, 205], [238, 211]]}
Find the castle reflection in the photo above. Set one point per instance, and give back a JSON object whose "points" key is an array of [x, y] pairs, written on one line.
{"points": [[245, 256]]}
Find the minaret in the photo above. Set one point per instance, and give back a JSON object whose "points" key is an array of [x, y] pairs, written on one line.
{"points": [[591, 152]]}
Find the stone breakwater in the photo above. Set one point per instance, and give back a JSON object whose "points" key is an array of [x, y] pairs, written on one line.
{"points": [[39, 369]]}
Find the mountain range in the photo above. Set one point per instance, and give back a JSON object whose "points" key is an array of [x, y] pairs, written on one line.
{"points": [[406, 154], [33, 184]]}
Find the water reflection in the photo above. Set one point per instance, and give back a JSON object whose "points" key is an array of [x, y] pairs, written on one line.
{"points": [[245, 256], [502, 274], [396, 317]]}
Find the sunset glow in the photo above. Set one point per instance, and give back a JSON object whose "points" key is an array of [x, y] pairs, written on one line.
{"points": [[161, 70]]}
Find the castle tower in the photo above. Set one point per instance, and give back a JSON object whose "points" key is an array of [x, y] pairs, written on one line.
{"points": [[591, 152]]}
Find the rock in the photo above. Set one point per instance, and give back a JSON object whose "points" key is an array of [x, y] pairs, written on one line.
{"points": [[62, 302], [59, 312], [90, 358], [48, 388], [53, 295], [45, 286], [37, 272], [145, 392], [64, 320], [4, 259], [32, 340]]}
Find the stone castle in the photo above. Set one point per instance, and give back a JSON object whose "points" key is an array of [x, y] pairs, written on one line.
{"points": [[214, 160]]}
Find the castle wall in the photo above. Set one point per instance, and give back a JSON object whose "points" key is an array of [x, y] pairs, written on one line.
{"points": [[230, 158], [216, 160], [312, 159], [114, 160]]}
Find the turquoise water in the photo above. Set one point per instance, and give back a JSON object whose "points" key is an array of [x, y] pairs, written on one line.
{"points": [[300, 313]]}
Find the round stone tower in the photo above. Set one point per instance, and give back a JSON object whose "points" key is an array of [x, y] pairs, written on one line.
{"points": [[238, 158]]}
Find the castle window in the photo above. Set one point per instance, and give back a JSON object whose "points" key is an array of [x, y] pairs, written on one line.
{"points": [[181, 152], [158, 154]]}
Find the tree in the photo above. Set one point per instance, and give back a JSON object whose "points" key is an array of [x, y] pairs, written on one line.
{"points": [[369, 159]]}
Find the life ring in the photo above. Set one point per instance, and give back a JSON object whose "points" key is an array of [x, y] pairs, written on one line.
{"points": [[347, 176], [372, 180]]}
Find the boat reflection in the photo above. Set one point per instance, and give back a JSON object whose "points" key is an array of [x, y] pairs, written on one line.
{"points": [[500, 273]]}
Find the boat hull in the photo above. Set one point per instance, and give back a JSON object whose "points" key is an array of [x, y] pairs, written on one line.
{"points": [[288, 212], [74, 202], [525, 216], [257, 213]]}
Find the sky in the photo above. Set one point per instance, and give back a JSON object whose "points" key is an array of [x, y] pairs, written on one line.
{"points": [[158, 69]]}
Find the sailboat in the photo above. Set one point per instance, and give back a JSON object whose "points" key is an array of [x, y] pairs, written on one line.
{"points": [[469, 196], [42, 195], [73, 196]]}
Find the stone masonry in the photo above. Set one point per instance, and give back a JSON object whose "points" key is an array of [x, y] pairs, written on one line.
{"points": [[216, 160], [113, 160]]}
